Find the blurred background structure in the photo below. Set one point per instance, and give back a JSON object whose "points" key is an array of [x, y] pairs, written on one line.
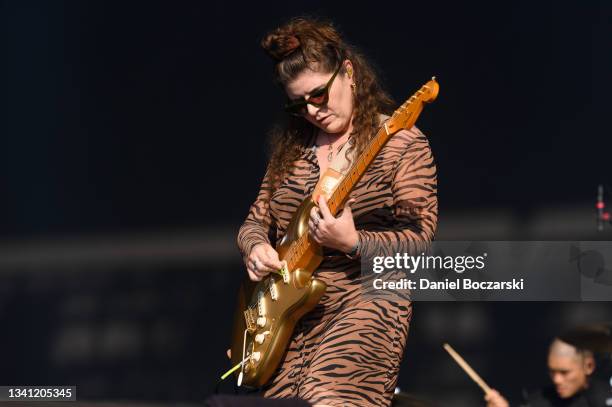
{"points": [[133, 143]]}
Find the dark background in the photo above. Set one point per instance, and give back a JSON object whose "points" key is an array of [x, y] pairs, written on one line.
{"points": [[133, 142]]}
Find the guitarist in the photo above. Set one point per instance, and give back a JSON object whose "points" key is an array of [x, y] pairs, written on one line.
{"points": [[347, 351]]}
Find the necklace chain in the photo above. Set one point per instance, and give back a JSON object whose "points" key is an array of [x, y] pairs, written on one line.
{"points": [[330, 148]]}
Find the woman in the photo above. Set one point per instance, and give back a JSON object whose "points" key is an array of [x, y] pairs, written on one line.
{"points": [[346, 351]]}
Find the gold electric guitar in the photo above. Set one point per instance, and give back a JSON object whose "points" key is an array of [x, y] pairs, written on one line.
{"points": [[268, 310]]}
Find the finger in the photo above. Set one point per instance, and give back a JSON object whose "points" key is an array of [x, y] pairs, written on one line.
{"points": [[261, 273], [257, 250], [272, 253], [253, 258], [314, 223], [324, 209], [347, 212], [252, 267], [314, 214], [311, 230], [256, 265], [258, 260], [312, 237], [347, 205], [260, 267], [316, 239], [273, 259], [317, 235], [253, 276], [269, 266], [269, 262], [257, 268]]}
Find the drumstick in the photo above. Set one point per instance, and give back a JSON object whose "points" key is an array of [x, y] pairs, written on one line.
{"points": [[464, 365]]}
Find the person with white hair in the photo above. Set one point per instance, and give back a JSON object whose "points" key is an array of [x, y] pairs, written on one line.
{"points": [[570, 371]]}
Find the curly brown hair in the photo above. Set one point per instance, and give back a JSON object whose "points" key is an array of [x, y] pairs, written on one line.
{"points": [[309, 43]]}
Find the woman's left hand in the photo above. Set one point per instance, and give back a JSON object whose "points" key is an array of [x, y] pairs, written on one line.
{"points": [[337, 233]]}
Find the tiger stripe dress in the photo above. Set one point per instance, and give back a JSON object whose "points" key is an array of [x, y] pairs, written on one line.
{"points": [[347, 351]]}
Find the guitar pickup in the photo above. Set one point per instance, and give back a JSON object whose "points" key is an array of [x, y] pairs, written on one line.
{"points": [[284, 272], [273, 292], [260, 304]]}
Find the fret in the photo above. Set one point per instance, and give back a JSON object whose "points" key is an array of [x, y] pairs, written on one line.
{"points": [[291, 255], [301, 246]]}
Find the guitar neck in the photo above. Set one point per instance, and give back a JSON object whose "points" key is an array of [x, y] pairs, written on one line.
{"points": [[358, 168]]}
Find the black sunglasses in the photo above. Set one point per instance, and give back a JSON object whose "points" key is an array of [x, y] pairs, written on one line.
{"points": [[318, 98]]}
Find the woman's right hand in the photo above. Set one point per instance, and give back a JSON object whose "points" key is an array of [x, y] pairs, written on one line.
{"points": [[262, 260]]}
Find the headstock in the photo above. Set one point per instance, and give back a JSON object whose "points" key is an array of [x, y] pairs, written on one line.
{"points": [[404, 117]]}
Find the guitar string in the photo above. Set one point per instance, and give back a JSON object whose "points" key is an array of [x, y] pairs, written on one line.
{"points": [[361, 162]]}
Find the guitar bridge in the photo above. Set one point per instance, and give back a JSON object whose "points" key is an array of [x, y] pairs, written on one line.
{"points": [[249, 319]]}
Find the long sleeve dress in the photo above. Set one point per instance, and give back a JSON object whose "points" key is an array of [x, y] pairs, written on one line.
{"points": [[347, 351]]}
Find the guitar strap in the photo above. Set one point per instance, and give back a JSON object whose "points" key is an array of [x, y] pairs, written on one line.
{"points": [[338, 168]]}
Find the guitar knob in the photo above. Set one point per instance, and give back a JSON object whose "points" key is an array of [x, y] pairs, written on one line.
{"points": [[260, 338], [255, 356], [261, 322]]}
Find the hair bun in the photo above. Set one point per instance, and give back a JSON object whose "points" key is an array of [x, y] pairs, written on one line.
{"points": [[278, 46]]}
